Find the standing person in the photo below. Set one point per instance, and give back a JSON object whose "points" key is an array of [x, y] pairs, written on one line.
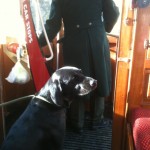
{"points": [[85, 45]]}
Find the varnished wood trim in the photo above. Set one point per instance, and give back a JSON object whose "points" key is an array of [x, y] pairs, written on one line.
{"points": [[130, 141], [2, 123]]}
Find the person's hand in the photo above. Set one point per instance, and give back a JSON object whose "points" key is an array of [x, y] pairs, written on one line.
{"points": [[45, 50]]}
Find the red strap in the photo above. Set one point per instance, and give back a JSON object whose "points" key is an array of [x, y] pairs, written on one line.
{"points": [[37, 62]]}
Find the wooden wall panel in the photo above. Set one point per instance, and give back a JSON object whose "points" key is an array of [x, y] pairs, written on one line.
{"points": [[140, 65], [10, 91], [122, 77]]}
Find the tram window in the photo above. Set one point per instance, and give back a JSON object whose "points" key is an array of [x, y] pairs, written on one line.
{"points": [[11, 22], [116, 29]]}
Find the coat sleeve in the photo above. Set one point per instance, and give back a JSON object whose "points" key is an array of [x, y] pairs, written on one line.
{"points": [[110, 14], [53, 24]]}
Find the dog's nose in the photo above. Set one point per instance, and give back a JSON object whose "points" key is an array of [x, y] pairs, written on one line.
{"points": [[93, 83]]}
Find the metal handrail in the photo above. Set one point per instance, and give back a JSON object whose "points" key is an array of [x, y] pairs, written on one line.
{"points": [[15, 100], [45, 34]]}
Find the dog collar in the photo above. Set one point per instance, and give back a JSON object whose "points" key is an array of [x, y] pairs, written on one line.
{"points": [[42, 102]]}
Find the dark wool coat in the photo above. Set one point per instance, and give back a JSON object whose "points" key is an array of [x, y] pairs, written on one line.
{"points": [[85, 44]]}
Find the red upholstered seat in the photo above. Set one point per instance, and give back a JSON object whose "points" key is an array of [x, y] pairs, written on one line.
{"points": [[140, 122]]}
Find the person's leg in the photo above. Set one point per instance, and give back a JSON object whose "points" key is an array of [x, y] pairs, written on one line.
{"points": [[76, 115], [97, 110]]}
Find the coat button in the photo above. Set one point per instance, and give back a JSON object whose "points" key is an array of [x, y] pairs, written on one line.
{"points": [[90, 23], [78, 26]]}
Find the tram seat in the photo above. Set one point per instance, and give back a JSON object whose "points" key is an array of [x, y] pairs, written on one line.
{"points": [[140, 129]]}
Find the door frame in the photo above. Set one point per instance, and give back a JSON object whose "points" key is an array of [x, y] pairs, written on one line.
{"points": [[123, 71]]}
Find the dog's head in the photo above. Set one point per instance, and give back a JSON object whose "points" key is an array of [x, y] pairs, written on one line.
{"points": [[67, 83]]}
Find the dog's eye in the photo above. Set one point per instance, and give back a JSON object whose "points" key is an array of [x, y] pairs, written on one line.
{"points": [[78, 87], [78, 78]]}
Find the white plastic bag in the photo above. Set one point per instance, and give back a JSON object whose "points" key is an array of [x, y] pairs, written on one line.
{"points": [[18, 74]]}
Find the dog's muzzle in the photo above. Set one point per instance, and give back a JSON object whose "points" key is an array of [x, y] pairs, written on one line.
{"points": [[85, 87], [93, 83]]}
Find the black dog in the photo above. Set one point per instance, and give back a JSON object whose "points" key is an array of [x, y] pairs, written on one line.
{"points": [[42, 125]]}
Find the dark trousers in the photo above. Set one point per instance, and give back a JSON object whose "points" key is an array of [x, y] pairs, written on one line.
{"points": [[77, 111]]}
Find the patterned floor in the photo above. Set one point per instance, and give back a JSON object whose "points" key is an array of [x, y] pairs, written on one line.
{"points": [[99, 139]]}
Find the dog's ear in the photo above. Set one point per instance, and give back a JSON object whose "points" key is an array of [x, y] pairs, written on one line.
{"points": [[56, 93]]}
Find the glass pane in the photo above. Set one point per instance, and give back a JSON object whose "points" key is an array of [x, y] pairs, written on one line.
{"points": [[44, 10], [116, 29]]}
